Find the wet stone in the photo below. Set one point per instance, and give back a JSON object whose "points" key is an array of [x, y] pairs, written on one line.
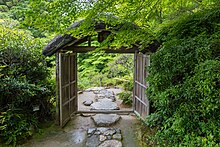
{"points": [[102, 138], [118, 131], [109, 132], [97, 133], [94, 89], [93, 141], [91, 130], [105, 120], [111, 143], [87, 102], [102, 129], [105, 94], [117, 137], [104, 105], [104, 99], [109, 137]]}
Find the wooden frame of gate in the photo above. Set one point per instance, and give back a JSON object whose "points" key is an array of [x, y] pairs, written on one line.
{"points": [[140, 102], [66, 86], [66, 69], [66, 47]]}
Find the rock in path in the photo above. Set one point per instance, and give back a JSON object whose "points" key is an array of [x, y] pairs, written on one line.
{"points": [[94, 89], [87, 102], [111, 143], [104, 99], [105, 120], [104, 105], [104, 137], [105, 94]]}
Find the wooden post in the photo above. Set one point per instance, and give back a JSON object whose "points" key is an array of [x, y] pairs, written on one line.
{"points": [[147, 84], [134, 79], [57, 121]]}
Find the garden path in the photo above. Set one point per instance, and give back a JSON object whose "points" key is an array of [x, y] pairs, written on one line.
{"points": [[92, 130]]}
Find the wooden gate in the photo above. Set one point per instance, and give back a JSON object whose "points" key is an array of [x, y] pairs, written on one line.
{"points": [[67, 84], [140, 101]]}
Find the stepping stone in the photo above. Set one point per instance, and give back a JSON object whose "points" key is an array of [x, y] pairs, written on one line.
{"points": [[104, 99], [87, 102], [111, 143], [105, 120], [117, 136], [105, 94], [104, 105], [93, 141], [104, 137], [94, 89]]}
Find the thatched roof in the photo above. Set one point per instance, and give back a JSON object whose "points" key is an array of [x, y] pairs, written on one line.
{"points": [[62, 41]]}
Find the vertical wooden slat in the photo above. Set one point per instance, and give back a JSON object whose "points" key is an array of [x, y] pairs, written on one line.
{"points": [[57, 91], [141, 104], [69, 82], [60, 89], [76, 90], [134, 89]]}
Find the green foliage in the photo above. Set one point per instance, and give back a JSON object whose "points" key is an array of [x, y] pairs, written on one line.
{"points": [[100, 69], [6, 5], [16, 126], [25, 85], [184, 82], [126, 97], [20, 54]]}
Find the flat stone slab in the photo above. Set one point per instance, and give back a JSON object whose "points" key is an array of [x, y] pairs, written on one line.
{"points": [[104, 137], [87, 102], [104, 93], [111, 143], [104, 105], [104, 99], [105, 120], [94, 89]]}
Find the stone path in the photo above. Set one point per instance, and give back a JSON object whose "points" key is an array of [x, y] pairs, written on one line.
{"points": [[105, 120], [75, 133], [100, 136], [99, 94], [105, 100], [104, 137], [95, 130]]}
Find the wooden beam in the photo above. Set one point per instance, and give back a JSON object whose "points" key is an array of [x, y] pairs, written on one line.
{"points": [[84, 49]]}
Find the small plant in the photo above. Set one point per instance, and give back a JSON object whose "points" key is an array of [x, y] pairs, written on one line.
{"points": [[126, 97], [16, 126]]}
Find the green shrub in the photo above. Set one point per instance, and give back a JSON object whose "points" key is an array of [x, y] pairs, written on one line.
{"points": [[99, 69], [184, 82], [126, 97], [16, 126], [26, 87]]}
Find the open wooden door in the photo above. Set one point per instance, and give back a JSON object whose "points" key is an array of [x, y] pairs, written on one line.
{"points": [[140, 101], [67, 83]]}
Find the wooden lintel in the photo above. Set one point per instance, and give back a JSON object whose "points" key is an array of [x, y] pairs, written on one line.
{"points": [[84, 49]]}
